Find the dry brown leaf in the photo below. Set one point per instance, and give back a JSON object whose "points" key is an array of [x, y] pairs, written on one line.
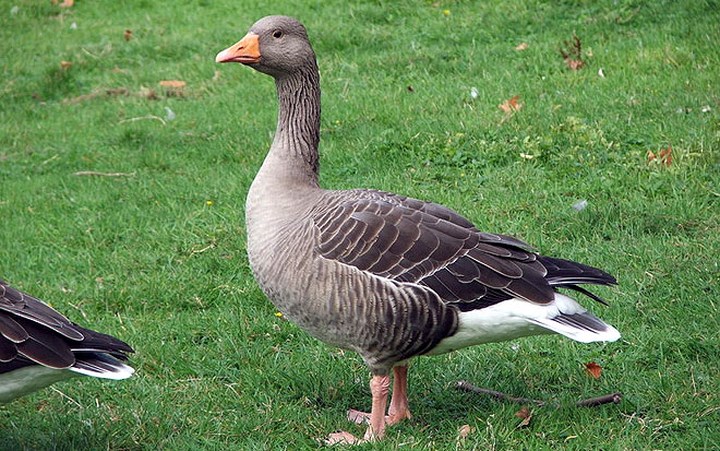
{"points": [[174, 88], [42, 405], [525, 415], [664, 156], [127, 35], [67, 3], [574, 64], [464, 431], [593, 369], [522, 46], [65, 65], [511, 105], [572, 53], [177, 84]]}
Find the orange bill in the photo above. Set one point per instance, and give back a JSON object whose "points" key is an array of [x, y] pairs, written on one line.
{"points": [[246, 51]]}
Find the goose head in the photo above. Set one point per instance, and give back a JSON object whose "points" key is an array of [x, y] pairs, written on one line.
{"points": [[275, 45]]}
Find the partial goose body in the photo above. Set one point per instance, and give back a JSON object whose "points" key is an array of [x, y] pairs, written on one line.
{"points": [[39, 346], [387, 276]]}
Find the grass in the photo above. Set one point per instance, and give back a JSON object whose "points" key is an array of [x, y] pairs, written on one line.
{"points": [[157, 256]]}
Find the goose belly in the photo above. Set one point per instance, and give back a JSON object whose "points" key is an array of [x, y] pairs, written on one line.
{"points": [[28, 379], [504, 321]]}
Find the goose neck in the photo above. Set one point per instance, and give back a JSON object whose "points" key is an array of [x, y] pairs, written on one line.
{"points": [[298, 128]]}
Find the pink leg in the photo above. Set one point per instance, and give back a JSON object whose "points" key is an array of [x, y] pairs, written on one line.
{"points": [[399, 407], [379, 388]]}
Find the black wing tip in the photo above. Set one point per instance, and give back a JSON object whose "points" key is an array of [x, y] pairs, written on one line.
{"points": [[565, 272]]}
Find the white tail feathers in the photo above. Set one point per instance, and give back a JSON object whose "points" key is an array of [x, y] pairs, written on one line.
{"points": [[576, 323], [577, 327], [102, 366]]}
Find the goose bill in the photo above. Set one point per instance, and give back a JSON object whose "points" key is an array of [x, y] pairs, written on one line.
{"points": [[246, 51]]}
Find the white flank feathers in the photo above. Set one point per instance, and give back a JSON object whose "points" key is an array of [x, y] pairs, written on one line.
{"points": [[516, 318]]}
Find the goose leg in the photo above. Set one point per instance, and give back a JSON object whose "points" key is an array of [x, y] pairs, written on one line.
{"points": [[379, 388], [399, 407]]}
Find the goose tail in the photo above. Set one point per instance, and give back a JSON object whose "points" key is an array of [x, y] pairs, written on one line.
{"points": [[103, 366], [576, 323]]}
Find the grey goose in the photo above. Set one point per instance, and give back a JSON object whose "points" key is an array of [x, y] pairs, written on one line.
{"points": [[39, 346], [384, 275]]}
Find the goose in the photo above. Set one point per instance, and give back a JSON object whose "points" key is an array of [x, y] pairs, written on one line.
{"points": [[387, 276], [39, 346]]}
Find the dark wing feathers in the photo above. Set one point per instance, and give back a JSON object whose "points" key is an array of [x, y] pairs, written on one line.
{"points": [[566, 272], [413, 241], [22, 305], [45, 347], [32, 332], [10, 329]]}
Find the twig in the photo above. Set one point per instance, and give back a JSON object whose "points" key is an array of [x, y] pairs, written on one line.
{"points": [[614, 398], [467, 386], [591, 402], [105, 174], [142, 118]]}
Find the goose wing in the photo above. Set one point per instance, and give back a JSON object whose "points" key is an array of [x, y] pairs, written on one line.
{"points": [[33, 332], [425, 243]]}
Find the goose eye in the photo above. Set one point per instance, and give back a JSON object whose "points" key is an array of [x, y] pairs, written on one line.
{"points": [[277, 34]]}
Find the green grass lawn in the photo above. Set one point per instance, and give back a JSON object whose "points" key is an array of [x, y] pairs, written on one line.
{"points": [[156, 255]]}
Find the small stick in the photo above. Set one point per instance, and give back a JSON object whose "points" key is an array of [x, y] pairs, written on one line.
{"points": [[144, 118], [614, 398], [467, 386], [105, 174]]}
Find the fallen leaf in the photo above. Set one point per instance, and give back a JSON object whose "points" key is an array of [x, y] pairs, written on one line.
{"points": [[511, 105], [173, 84], [522, 46], [575, 64], [42, 405], [127, 35], [464, 431], [664, 156], [174, 88], [524, 414], [572, 53], [65, 65], [67, 3], [593, 369]]}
